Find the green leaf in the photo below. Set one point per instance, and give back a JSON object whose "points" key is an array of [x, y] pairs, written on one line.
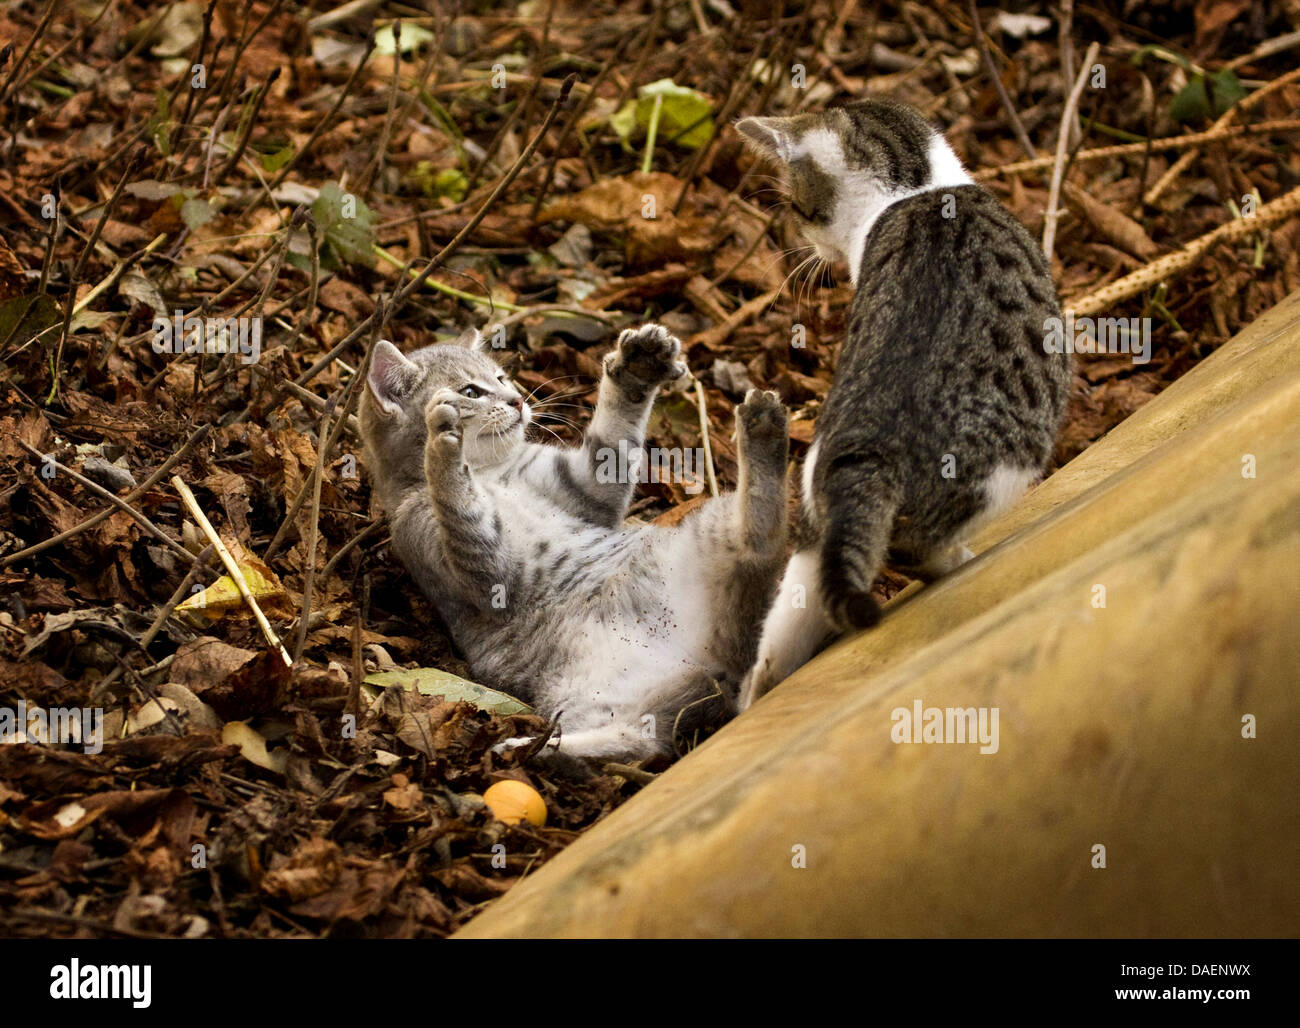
{"points": [[346, 225], [686, 118], [431, 681], [1192, 102], [273, 162], [196, 212], [1227, 90]]}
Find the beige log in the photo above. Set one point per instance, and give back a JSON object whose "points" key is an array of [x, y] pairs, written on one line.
{"points": [[1119, 726]]}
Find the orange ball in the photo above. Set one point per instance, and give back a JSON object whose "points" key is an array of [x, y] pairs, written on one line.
{"points": [[512, 802]]}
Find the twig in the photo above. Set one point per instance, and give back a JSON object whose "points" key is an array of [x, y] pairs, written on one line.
{"points": [[702, 403], [347, 548], [324, 123], [232, 567], [1219, 127], [1062, 139], [1271, 213], [309, 575], [130, 497], [259, 96], [401, 294], [77, 269], [351, 395], [983, 45], [182, 591], [112, 498], [31, 43]]}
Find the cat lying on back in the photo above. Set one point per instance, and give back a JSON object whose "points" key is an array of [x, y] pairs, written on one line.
{"points": [[524, 552], [945, 404]]}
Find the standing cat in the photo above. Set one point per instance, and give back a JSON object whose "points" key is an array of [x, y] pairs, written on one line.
{"points": [[945, 404], [523, 549]]}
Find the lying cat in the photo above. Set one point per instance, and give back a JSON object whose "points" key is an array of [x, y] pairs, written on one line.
{"points": [[945, 404], [522, 546]]}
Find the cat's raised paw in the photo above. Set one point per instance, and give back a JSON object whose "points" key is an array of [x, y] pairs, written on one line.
{"points": [[763, 423], [442, 419], [645, 358]]}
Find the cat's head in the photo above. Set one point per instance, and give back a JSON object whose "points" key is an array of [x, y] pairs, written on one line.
{"points": [[398, 389], [843, 166]]}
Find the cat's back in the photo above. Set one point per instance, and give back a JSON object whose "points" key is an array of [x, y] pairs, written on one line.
{"points": [[947, 325]]}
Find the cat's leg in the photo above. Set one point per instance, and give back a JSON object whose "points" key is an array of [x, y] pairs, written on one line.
{"points": [[604, 467], [762, 450], [797, 627], [469, 527]]}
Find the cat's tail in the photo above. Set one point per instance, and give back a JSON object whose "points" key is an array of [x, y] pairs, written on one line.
{"points": [[859, 512]]}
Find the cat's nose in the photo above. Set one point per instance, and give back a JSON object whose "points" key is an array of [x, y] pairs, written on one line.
{"points": [[517, 403]]}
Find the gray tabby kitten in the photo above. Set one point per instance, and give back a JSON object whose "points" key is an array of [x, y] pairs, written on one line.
{"points": [[945, 405], [522, 546]]}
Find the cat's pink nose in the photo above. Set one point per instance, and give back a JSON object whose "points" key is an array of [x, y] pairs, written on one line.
{"points": [[517, 403]]}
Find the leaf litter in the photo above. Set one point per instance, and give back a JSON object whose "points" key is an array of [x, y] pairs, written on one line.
{"points": [[236, 796]]}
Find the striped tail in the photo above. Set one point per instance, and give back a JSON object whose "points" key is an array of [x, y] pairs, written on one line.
{"points": [[860, 512]]}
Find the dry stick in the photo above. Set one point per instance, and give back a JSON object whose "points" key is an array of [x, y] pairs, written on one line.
{"points": [[578, 111], [72, 41], [704, 435], [204, 39], [1066, 46], [737, 92], [236, 574], [324, 123], [1063, 138], [983, 46], [242, 143], [315, 286], [1131, 285], [375, 165], [309, 576], [112, 498], [1184, 162], [31, 43], [1128, 149], [351, 395], [131, 497], [401, 294], [521, 108], [80, 266], [182, 590], [347, 548]]}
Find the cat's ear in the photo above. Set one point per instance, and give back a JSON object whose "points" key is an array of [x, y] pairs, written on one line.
{"points": [[473, 339], [771, 137], [392, 377]]}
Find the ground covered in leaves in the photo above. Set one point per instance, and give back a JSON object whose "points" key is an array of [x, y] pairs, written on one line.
{"points": [[301, 164]]}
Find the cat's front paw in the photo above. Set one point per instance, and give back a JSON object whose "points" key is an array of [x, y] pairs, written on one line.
{"points": [[645, 359], [442, 419]]}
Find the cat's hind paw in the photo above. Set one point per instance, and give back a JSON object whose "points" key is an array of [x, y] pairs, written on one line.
{"points": [[763, 425]]}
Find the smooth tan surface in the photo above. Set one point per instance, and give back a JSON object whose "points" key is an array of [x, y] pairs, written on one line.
{"points": [[1119, 726]]}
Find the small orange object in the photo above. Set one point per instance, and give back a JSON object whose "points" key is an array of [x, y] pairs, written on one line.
{"points": [[512, 802]]}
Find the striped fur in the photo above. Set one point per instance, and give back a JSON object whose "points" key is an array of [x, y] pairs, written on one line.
{"points": [[944, 406], [621, 632]]}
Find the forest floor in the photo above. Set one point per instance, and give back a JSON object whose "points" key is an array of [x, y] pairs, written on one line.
{"points": [[299, 164]]}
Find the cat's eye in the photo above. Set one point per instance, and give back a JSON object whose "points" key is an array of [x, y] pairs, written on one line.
{"points": [[473, 392]]}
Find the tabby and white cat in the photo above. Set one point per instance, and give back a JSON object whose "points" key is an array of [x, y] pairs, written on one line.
{"points": [[523, 549], [945, 404]]}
